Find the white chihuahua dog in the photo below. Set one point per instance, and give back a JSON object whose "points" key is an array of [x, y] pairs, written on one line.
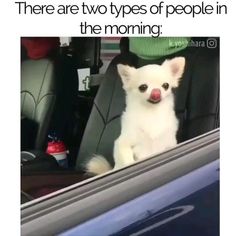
{"points": [[148, 124]]}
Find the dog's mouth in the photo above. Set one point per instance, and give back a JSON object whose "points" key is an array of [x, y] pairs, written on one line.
{"points": [[154, 101]]}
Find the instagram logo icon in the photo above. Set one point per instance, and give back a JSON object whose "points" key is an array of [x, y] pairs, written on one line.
{"points": [[211, 43]]}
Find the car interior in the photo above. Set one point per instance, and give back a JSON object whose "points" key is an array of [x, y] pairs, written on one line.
{"points": [[88, 121]]}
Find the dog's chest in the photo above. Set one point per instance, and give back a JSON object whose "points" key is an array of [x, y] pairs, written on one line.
{"points": [[152, 125], [149, 132], [153, 136]]}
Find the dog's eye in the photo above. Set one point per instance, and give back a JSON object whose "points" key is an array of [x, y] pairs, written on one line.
{"points": [[165, 86], [142, 88]]}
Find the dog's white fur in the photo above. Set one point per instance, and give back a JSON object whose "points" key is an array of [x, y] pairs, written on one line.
{"points": [[146, 128]]}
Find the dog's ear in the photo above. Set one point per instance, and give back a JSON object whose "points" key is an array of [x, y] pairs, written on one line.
{"points": [[126, 72], [176, 67]]}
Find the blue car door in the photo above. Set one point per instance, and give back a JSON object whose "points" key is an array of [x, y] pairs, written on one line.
{"points": [[176, 194]]}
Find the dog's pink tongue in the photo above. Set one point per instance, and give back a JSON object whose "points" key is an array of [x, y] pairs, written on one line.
{"points": [[155, 94]]}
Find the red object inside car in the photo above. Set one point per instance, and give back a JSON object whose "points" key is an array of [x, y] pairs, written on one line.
{"points": [[40, 47]]}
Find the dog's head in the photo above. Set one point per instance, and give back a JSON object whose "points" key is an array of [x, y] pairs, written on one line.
{"points": [[152, 83]]}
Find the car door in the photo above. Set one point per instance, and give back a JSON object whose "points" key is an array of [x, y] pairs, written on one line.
{"points": [[175, 193]]}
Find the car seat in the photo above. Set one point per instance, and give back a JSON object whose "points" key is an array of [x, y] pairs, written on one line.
{"points": [[196, 101], [48, 87]]}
